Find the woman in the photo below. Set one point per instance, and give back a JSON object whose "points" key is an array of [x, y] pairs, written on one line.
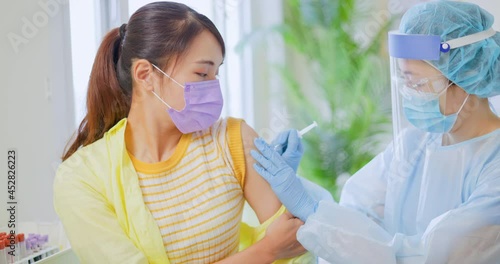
{"points": [[433, 196], [153, 175]]}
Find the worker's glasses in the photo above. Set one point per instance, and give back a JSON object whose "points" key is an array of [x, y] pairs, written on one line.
{"points": [[428, 88]]}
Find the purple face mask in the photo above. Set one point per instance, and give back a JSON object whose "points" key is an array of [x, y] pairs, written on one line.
{"points": [[203, 105]]}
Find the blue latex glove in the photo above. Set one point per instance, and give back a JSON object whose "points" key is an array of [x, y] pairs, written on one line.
{"points": [[283, 180], [292, 148]]}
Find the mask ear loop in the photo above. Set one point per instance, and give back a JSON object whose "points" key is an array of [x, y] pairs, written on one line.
{"points": [[157, 96], [165, 103], [463, 104], [168, 76], [450, 83]]}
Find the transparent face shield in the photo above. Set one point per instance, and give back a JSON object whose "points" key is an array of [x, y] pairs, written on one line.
{"points": [[419, 90]]}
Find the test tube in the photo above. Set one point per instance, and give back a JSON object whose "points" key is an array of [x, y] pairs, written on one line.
{"points": [[3, 253], [45, 244], [35, 244], [11, 243], [22, 246], [6, 244], [29, 251]]}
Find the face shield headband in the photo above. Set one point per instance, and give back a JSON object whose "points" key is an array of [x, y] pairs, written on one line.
{"points": [[429, 47]]}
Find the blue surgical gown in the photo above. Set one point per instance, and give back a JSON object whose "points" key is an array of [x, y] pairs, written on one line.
{"points": [[427, 204]]}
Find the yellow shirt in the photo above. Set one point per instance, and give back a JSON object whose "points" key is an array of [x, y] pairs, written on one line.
{"points": [[98, 198], [195, 196]]}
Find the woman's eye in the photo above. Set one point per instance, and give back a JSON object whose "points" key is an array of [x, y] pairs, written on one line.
{"points": [[202, 74]]}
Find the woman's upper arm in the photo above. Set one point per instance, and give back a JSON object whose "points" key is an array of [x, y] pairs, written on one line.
{"points": [[90, 222], [257, 191]]}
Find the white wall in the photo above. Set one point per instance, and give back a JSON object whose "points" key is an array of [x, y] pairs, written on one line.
{"points": [[84, 47], [268, 53], [35, 101]]}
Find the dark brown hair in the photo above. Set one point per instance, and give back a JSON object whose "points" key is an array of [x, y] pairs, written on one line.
{"points": [[156, 32]]}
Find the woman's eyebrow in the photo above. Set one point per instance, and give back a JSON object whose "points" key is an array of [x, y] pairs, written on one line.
{"points": [[209, 62]]}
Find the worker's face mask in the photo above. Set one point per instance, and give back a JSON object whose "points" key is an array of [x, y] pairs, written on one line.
{"points": [[424, 113], [203, 105]]}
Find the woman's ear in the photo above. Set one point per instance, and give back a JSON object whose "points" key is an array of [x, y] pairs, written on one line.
{"points": [[142, 74]]}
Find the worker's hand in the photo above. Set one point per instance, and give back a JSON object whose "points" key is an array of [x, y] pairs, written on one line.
{"points": [[283, 180], [292, 149], [281, 238]]}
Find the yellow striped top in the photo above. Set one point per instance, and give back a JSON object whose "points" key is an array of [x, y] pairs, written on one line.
{"points": [[196, 195]]}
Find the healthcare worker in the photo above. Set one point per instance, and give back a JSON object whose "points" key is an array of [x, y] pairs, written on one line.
{"points": [[153, 175], [433, 196]]}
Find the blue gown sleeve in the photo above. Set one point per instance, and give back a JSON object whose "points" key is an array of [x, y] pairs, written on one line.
{"points": [[353, 231]]}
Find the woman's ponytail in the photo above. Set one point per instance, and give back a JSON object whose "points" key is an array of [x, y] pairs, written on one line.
{"points": [[107, 102], [157, 32]]}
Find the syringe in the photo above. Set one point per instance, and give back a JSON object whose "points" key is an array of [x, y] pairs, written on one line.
{"points": [[279, 147], [307, 129]]}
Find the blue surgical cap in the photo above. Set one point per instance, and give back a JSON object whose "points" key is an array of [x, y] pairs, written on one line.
{"points": [[474, 67]]}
